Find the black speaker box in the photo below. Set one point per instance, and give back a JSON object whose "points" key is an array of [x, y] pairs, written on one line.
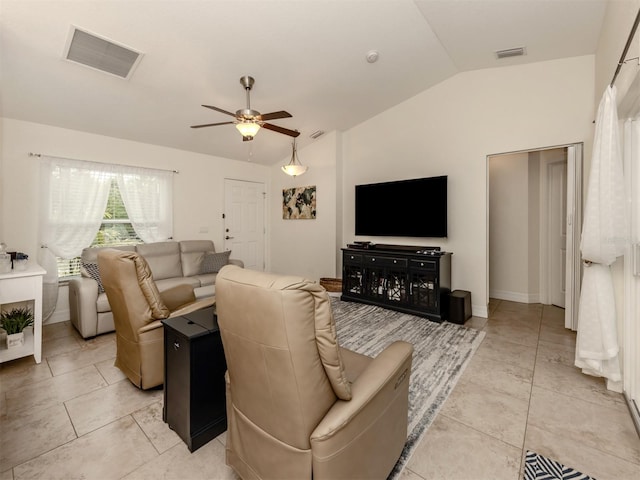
{"points": [[459, 306]]}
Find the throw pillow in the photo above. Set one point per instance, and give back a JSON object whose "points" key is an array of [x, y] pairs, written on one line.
{"points": [[213, 262], [90, 269]]}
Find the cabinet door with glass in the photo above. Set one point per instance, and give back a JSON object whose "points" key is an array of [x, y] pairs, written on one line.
{"points": [[352, 281], [425, 290], [385, 279]]}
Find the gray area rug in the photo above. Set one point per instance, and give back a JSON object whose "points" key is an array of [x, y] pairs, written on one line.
{"points": [[441, 353]]}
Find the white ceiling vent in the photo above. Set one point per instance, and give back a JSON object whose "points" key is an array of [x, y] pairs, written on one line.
{"points": [[101, 53], [511, 52]]}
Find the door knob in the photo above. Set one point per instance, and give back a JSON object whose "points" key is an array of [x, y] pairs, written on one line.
{"points": [[227, 237]]}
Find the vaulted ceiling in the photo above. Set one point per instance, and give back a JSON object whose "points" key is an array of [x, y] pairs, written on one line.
{"points": [[308, 57]]}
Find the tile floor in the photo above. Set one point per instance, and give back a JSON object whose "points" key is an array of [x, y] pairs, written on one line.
{"points": [[76, 416]]}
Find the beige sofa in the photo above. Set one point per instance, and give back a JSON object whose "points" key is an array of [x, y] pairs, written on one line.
{"points": [[172, 263]]}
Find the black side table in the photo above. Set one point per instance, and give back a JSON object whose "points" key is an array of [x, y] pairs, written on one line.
{"points": [[194, 386]]}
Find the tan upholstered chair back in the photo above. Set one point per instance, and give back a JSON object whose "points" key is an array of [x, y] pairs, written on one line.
{"points": [[282, 356], [137, 308]]}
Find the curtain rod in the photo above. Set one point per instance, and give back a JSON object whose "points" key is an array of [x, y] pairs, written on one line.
{"points": [[626, 48], [38, 155]]}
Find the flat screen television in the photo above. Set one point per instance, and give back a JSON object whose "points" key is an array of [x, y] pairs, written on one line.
{"points": [[405, 208]]}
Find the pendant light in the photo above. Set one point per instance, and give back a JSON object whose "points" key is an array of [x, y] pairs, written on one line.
{"points": [[294, 167]]}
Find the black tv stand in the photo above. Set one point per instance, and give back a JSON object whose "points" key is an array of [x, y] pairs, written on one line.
{"points": [[407, 278]]}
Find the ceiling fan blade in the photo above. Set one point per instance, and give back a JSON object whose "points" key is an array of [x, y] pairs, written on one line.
{"points": [[219, 110], [211, 124], [274, 115], [285, 131]]}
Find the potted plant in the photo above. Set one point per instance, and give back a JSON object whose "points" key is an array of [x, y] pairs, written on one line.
{"points": [[14, 322]]}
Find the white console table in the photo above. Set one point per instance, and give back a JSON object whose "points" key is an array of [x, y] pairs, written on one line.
{"points": [[23, 286]]}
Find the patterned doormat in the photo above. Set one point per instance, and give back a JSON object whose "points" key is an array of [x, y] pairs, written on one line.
{"points": [[441, 353], [539, 467]]}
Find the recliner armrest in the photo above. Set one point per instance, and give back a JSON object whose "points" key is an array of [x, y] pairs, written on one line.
{"points": [[371, 391], [192, 307], [363, 437], [150, 326], [178, 296]]}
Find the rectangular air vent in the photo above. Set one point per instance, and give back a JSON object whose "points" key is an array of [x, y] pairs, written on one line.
{"points": [[100, 53], [511, 52]]}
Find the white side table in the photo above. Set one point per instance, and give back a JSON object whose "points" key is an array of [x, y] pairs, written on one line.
{"points": [[21, 286]]}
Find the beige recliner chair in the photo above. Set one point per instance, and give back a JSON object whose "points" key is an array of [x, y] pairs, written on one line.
{"points": [[138, 309], [298, 405]]}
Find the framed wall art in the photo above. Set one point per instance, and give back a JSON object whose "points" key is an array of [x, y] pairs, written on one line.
{"points": [[299, 203]]}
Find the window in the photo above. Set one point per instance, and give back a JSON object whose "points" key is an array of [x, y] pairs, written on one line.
{"points": [[139, 208], [115, 229]]}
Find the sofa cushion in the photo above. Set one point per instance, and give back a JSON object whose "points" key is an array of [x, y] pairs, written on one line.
{"points": [[163, 259], [213, 262], [192, 253], [203, 292], [206, 278], [167, 283]]}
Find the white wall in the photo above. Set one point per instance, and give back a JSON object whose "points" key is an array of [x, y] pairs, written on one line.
{"points": [[454, 127], [198, 188], [462, 121], [613, 36], [509, 236], [307, 247]]}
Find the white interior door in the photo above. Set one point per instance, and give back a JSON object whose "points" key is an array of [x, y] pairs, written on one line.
{"points": [[244, 212], [557, 231]]}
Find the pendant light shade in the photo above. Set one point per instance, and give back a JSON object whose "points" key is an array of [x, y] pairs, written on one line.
{"points": [[294, 167]]}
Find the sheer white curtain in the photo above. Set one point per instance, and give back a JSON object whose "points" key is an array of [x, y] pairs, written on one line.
{"points": [[72, 203], [604, 237], [73, 197], [148, 197]]}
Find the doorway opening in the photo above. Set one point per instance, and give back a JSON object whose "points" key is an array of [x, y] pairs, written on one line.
{"points": [[534, 224]]}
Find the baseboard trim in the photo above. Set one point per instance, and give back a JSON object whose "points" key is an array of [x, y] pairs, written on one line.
{"points": [[480, 311], [515, 296]]}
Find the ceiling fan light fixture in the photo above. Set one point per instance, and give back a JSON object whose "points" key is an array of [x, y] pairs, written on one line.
{"points": [[247, 128], [294, 167]]}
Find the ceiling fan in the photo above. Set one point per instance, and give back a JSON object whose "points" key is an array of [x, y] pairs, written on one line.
{"points": [[248, 121]]}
